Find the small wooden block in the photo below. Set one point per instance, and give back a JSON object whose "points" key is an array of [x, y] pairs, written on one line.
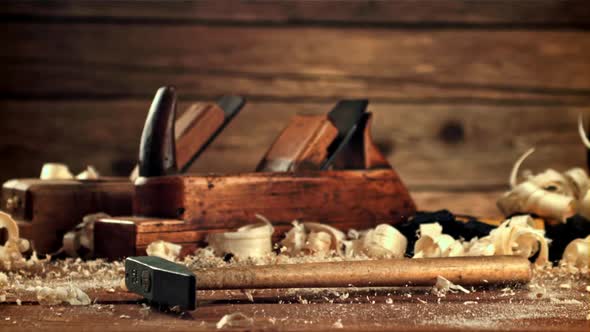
{"points": [[46, 209]]}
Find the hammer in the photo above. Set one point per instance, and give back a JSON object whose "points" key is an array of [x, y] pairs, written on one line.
{"points": [[166, 283]]}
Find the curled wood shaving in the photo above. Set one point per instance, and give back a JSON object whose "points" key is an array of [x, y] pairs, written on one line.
{"points": [[515, 236], [577, 253], [236, 319], [312, 238], [89, 173], [318, 242], [82, 236], [71, 295], [55, 171], [134, 174], [384, 241], [294, 239], [549, 194], [336, 236], [582, 131], [11, 252], [514, 173], [433, 243], [248, 241], [163, 249]]}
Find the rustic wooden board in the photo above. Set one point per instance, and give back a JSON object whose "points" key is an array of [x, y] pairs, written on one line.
{"points": [[431, 146], [344, 12], [296, 63]]}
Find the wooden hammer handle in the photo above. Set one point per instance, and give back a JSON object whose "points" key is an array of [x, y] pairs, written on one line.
{"points": [[371, 273]]}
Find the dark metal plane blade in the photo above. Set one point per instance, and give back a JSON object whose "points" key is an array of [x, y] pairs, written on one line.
{"points": [[345, 116]]}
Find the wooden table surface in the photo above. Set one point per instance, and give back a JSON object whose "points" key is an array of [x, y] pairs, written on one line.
{"points": [[555, 300]]}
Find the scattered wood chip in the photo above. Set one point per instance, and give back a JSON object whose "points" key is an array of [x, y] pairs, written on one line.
{"points": [[443, 286], [338, 324], [236, 319], [577, 253], [163, 249]]}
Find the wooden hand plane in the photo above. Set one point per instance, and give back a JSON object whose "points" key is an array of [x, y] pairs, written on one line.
{"points": [[323, 168], [46, 209]]}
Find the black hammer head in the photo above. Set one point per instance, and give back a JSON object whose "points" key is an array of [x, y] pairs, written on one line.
{"points": [[161, 282]]}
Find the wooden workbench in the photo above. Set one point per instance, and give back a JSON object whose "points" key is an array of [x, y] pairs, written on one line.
{"points": [[554, 301]]}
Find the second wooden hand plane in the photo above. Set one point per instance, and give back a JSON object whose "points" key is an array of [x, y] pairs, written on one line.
{"points": [[46, 209], [320, 168]]}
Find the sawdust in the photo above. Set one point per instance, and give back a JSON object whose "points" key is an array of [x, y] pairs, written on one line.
{"points": [[64, 278], [71, 295]]}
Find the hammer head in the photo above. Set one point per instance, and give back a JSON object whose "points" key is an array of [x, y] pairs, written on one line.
{"points": [[161, 282]]}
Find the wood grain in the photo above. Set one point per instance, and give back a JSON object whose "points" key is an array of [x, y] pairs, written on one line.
{"points": [[309, 12], [377, 309], [301, 145], [295, 64], [432, 146], [354, 198]]}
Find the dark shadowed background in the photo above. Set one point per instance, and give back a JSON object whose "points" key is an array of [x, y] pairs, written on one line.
{"points": [[459, 88]]}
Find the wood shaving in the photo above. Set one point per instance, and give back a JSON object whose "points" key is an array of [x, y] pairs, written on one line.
{"points": [[317, 243], [443, 286], [82, 236], [163, 249], [55, 171], [248, 241], [3, 279], [236, 319], [432, 243], [550, 194], [90, 173], [312, 238], [577, 253], [338, 324], [294, 239], [515, 236], [11, 257], [384, 241], [51, 296]]}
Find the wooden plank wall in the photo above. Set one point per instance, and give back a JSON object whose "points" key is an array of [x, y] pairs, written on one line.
{"points": [[459, 88]]}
